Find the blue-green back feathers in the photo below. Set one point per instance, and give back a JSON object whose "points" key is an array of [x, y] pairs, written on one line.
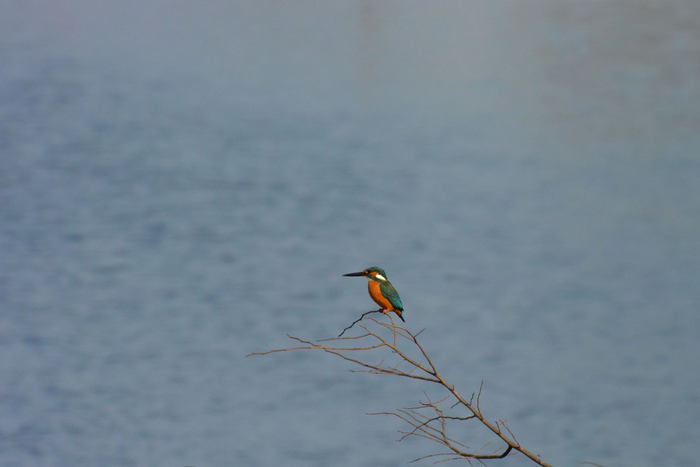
{"points": [[390, 293]]}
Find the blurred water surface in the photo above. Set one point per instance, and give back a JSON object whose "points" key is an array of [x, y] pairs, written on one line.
{"points": [[183, 183]]}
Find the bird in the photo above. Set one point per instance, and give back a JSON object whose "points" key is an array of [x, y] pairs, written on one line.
{"points": [[381, 290]]}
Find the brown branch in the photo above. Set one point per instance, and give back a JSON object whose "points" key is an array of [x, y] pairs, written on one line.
{"points": [[358, 320], [431, 455], [392, 337]]}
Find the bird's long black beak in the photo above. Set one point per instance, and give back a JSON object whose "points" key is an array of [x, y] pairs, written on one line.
{"points": [[354, 274]]}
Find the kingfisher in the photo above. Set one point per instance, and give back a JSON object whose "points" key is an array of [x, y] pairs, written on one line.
{"points": [[381, 290]]}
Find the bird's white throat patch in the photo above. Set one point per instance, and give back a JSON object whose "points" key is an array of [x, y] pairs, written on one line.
{"points": [[380, 277]]}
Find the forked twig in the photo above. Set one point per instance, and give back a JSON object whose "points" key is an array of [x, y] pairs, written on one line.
{"points": [[398, 340], [358, 320]]}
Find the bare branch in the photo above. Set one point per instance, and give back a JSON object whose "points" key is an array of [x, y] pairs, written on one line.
{"points": [[431, 455], [358, 320], [427, 420], [329, 339], [478, 396]]}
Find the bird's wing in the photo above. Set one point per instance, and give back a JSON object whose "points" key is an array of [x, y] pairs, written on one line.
{"points": [[391, 294]]}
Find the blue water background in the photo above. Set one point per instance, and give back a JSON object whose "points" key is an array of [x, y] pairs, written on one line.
{"points": [[182, 183]]}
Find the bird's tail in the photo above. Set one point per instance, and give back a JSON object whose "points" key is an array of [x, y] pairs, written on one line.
{"points": [[398, 313]]}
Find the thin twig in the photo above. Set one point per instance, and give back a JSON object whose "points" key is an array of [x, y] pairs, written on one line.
{"points": [[358, 320]]}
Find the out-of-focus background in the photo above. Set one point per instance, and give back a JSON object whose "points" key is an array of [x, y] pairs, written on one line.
{"points": [[182, 183]]}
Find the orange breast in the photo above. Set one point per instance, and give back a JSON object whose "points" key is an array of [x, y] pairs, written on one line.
{"points": [[376, 294]]}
